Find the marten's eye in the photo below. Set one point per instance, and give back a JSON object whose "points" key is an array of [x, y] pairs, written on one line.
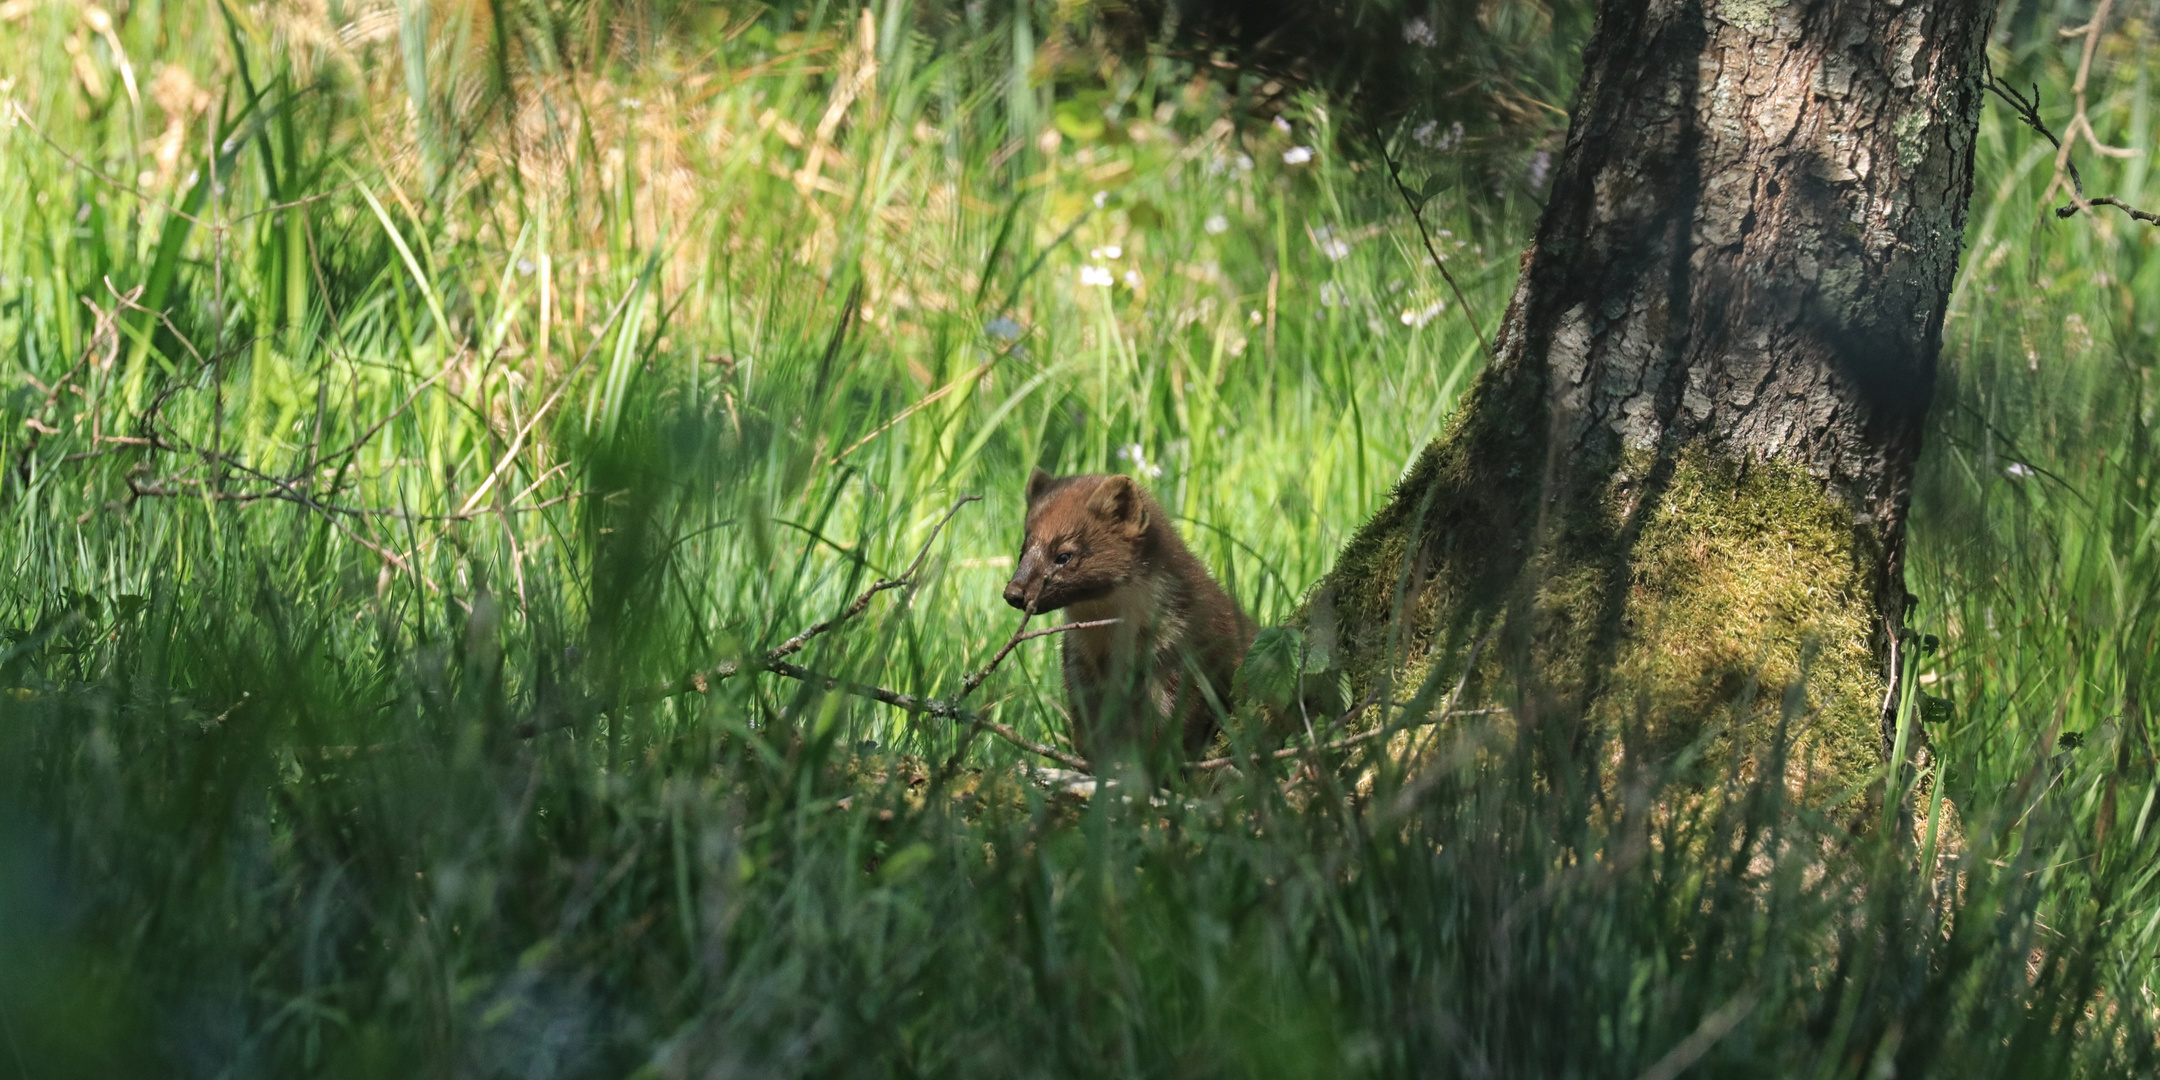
{"points": [[1064, 557]]}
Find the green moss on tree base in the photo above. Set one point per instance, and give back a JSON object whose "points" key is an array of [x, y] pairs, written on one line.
{"points": [[1686, 608], [1749, 605]]}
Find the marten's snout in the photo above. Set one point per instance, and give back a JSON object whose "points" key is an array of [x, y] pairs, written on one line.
{"points": [[1016, 593]]}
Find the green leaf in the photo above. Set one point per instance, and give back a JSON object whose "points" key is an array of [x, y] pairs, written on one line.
{"points": [[1080, 118], [1269, 675], [903, 864], [1935, 710]]}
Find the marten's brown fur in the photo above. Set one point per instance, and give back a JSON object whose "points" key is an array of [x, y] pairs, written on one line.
{"points": [[1100, 546]]}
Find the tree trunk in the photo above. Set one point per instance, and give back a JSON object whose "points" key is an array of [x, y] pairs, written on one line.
{"points": [[1679, 492]]}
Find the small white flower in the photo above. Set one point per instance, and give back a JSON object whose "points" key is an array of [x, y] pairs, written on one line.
{"points": [[525, 266], [1102, 199], [1256, 317], [1095, 275], [1216, 225], [1237, 347], [1132, 279], [1428, 135], [1297, 155], [1540, 168], [1282, 125], [1418, 317], [1244, 163], [1113, 252], [1132, 452], [2019, 471], [1419, 32], [1331, 245]]}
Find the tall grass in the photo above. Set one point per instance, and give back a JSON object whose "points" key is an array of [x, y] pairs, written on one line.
{"points": [[390, 389]]}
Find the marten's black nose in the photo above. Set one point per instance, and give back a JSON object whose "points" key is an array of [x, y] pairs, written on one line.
{"points": [[1016, 594]]}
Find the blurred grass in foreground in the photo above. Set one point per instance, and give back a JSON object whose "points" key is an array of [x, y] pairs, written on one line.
{"points": [[382, 379]]}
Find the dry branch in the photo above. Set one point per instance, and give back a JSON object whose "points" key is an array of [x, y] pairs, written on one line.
{"points": [[968, 685], [775, 661], [944, 710], [862, 602], [2027, 110]]}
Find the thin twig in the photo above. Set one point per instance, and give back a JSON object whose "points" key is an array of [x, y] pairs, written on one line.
{"points": [[1417, 217], [701, 681], [862, 602], [288, 493], [968, 685], [774, 661], [2146, 216], [2067, 176], [944, 710], [22, 116]]}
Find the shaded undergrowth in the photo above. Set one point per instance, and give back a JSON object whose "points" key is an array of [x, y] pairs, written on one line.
{"points": [[492, 370]]}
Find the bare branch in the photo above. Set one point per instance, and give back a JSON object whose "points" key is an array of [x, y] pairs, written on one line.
{"points": [[862, 602], [22, 116], [1343, 743], [2146, 216], [700, 681], [926, 401], [968, 685], [2027, 110], [288, 492], [944, 710]]}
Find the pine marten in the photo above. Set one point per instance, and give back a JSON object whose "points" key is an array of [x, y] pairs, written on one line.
{"points": [[1158, 680]]}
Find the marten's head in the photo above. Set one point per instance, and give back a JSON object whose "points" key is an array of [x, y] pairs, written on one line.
{"points": [[1084, 539]]}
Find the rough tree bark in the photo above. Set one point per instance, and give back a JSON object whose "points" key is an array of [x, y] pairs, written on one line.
{"points": [[1680, 490]]}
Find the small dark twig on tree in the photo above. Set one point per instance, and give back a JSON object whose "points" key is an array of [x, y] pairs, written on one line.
{"points": [[2146, 216]]}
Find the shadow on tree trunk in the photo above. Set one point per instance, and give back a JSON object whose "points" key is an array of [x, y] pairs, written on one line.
{"points": [[1680, 490]]}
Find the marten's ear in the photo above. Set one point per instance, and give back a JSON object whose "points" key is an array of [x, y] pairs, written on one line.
{"points": [[1117, 501], [1038, 482]]}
